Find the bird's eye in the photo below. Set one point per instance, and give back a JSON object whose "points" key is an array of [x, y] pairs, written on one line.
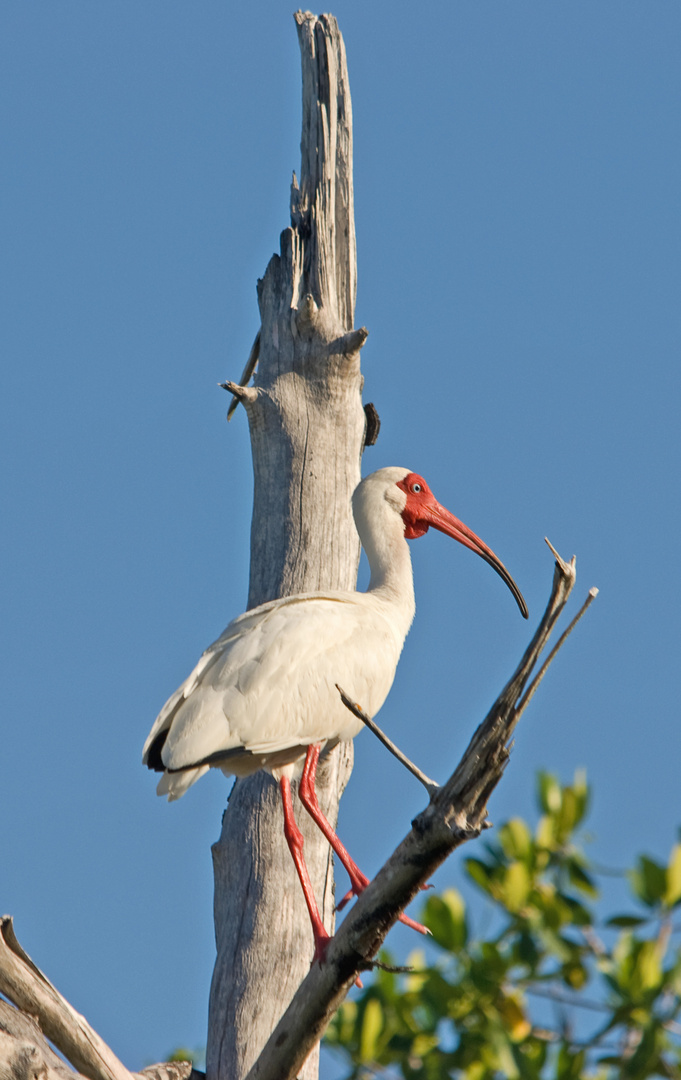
{"points": [[415, 488]]}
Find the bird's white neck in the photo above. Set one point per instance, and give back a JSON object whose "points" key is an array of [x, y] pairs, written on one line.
{"points": [[391, 579]]}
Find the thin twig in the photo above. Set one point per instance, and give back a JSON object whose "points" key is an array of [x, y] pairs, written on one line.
{"points": [[532, 688], [251, 365], [593, 941], [392, 968], [565, 999], [241, 393], [430, 785]]}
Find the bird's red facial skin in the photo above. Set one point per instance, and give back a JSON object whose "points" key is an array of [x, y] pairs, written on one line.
{"points": [[419, 496], [422, 510]]}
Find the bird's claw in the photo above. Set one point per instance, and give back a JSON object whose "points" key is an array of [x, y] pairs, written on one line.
{"points": [[415, 925], [345, 900]]}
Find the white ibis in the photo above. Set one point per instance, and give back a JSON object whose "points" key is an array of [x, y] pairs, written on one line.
{"points": [[264, 696]]}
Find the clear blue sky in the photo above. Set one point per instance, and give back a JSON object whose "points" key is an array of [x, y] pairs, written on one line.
{"points": [[517, 179]]}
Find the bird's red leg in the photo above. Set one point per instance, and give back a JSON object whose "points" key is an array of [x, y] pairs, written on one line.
{"points": [[308, 797], [294, 839]]}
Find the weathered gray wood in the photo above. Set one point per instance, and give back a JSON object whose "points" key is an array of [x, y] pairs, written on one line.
{"points": [[307, 427], [307, 423], [171, 1070], [21, 1060], [24, 1051], [30, 990], [42, 1011], [457, 812]]}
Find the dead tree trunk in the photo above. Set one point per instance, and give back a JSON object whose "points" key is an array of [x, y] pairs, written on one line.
{"points": [[307, 432]]}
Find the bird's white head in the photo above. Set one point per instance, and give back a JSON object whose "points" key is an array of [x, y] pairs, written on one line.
{"points": [[398, 502]]}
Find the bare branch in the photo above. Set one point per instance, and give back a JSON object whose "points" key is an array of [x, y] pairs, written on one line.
{"points": [[430, 785], [24, 984], [247, 394], [353, 341], [171, 1070], [593, 593], [25, 1053], [457, 812], [246, 374]]}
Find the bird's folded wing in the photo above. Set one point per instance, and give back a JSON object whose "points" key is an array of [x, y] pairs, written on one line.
{"points": [[268, 683]]}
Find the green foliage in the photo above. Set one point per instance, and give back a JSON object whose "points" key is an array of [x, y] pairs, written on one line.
{"points": [[545, 995], [182, 1053]]}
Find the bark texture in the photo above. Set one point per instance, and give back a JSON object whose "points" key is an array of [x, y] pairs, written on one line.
{"points": [[307, 429]]}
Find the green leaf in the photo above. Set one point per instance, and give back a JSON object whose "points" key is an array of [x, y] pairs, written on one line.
{"points": [[626, 921], [439, 995], [545, 834], [570, 1063], [510, 1008], [516, 840], [672, 893], [527, 950], [575, 911], [480, 873], [569, 812], [445, 917], [342, 1031], [582, 793], [418, 975], [648, 966], [575, 975], [516, 886], [648, 881], [500, 1052], [372, 1025], [182, 1053], [556, 945], [579, 877], [549, 793]]}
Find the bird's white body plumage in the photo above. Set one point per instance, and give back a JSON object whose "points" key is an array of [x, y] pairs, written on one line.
{"points": [[266, 689]]}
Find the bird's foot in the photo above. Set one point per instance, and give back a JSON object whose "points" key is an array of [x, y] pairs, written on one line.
{"points": [[352, 892], [357, 887], [360, 885], [345, 900]]}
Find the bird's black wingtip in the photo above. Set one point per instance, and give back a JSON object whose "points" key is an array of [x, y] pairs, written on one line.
{"points": [[154, 760]]}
